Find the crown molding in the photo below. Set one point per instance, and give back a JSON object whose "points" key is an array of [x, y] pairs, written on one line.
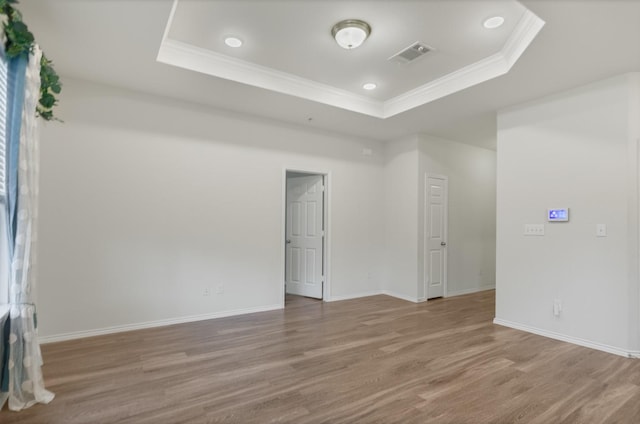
{"points": [[476, 73], [522, 36], [483, 70], [188, 56]]}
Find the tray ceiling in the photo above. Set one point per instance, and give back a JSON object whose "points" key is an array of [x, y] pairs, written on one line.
{"points": [[288, 48]]}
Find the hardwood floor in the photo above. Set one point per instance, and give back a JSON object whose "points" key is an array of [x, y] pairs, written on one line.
{"points": [[370, 360]]}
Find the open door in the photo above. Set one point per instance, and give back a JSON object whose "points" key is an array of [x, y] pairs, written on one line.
{"points": [[304, 236]]}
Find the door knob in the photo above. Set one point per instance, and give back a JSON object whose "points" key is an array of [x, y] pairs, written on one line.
{"points": [[443, 243], [288, 241]]}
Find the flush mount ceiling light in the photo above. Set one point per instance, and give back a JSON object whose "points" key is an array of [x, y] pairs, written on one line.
{"points": [[493, 22], [233, 41], [369, 86], [350, 33]]}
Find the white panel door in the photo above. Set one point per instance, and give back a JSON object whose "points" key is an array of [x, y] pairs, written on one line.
{"points": [[435, 261], [304, 236]]}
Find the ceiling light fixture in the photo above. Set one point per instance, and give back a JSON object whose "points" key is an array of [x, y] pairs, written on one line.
{"points": [[233, 42], [494, 22], [350, 33], [370, 86]]}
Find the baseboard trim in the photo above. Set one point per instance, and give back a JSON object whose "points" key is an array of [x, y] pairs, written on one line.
{"points": [[569, 339], [400, 296], [150, 324], [373, 293], [353, 296], [469, 291]]}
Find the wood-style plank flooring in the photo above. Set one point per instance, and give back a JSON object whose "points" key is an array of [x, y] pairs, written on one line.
{"points": [[371, 360]]}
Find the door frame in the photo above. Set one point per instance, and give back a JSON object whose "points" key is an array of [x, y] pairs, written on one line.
{"points": [[326, 249], [426, 239]]}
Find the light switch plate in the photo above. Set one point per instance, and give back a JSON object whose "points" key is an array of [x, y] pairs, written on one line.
{"points": [[601, 230], [534, 230]]}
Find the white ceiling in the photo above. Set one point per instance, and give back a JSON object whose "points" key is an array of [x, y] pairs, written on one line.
{"points": [[116, 42], [281, 35], [310, 65]]}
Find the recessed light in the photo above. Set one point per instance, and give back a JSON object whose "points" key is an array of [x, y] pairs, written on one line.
{"points": [[370, 86], [494, 22], [233, 42]]}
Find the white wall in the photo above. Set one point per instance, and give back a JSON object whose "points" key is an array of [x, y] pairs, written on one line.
{"points": [[576, 150], [471, 243], [401, 219], [145, 202]]}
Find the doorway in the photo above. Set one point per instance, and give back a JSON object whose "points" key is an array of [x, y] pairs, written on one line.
{"points": [[435, 235], [305, 235]]}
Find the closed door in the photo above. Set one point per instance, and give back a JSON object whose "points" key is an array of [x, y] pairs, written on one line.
{"points": [[435, 261], [304, 236]]}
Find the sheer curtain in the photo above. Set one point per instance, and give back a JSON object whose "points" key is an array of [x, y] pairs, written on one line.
{"points": [[22, 382]]}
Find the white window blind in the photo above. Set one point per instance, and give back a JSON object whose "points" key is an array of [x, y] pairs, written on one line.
{"points": [[3, 127]]}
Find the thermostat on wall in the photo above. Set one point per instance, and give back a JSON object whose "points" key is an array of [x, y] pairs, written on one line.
{"points": [[558, 214]]}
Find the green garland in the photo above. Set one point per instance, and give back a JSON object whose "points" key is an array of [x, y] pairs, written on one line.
{"points": [[19, 41]]}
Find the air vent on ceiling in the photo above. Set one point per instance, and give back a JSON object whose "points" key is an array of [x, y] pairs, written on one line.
{"points": [[411, 53]]}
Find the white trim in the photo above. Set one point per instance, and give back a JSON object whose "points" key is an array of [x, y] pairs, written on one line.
{"points": [[326, 286], [468, 76], [188, 56], [633, 240], [193, 58], [375, 293], [354, 296], [400, 296], [522, 36], [327, 234], [569, 339], [483, 70], [167, 28], [158, 323], [469, 291], [283, 237]]}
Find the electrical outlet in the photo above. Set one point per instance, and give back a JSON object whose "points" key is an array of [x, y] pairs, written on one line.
{"points": [[220, 288], [557, 307], [206, 292]]}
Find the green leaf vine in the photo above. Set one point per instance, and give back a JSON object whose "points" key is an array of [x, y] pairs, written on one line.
{"points": [[19, 40]]}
